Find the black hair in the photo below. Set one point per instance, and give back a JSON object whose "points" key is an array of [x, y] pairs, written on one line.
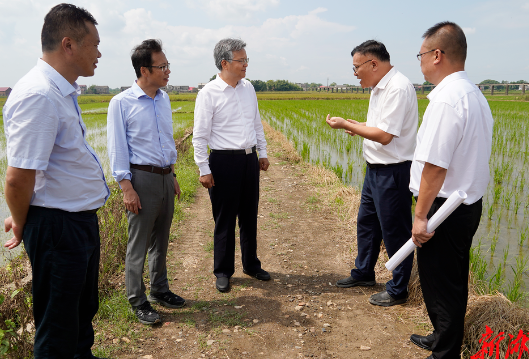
{"points": [[372, 47], [142, 54], [450, 38], [64, 20]]}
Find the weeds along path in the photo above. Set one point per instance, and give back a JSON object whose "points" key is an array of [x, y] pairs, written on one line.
{"points": [[306, 241]]}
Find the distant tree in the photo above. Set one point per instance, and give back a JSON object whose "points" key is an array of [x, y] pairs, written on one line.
{"points": [[314, 85], [258, 85], [427, 83], [333, 84], [91, 89], [284, 85], [213, 77], [270, 85]]}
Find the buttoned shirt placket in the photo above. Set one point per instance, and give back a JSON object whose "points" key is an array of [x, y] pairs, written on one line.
{"points": [[157, 118], [74, 95]]}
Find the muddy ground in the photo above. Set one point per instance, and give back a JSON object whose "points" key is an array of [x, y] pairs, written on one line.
{"points": [[306, 240]]}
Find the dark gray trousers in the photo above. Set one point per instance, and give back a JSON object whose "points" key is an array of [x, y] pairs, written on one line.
{"points": [[149, 233]]}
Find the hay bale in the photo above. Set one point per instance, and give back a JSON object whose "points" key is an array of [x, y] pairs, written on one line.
{"points": [[499, 314]]}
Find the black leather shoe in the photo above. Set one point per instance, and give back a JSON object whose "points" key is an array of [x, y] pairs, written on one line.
{"points": [[422, 341], [261, 274], [385, 300], [351, 282], [223, 284]]}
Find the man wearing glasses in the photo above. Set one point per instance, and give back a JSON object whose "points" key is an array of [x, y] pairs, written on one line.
{"points": [[389, 141], [453, 150], [227, 120], [142, 156]]}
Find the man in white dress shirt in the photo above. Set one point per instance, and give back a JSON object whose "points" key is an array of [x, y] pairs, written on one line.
{"points": [[55, 184], [227, 120], [389, 141], [453, 150]]}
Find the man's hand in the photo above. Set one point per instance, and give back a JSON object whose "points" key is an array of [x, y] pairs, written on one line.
{"points": [[335, 122], [130, 197], [177, 191], [207, 181], [263, 164], [418, 232], [17, 231], [351, 133]]}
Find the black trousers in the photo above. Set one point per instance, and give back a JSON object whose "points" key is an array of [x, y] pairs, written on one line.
{"points": [[63, 248], [235, 195], [443, 270], [384, 213]]}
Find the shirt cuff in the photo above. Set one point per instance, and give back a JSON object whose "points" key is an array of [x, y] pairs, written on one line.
{"points": [[27, 163], [262, 153], [204, 170], [122, 175]]}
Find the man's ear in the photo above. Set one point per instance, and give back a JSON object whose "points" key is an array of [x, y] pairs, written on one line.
{"points": [[67, 45], [374, 64]]}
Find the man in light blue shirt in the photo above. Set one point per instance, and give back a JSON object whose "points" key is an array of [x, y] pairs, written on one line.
{"points": [[55, 184], [142, 156]]}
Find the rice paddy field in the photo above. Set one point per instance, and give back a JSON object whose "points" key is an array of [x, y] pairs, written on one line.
{"points": [[501, 247]]}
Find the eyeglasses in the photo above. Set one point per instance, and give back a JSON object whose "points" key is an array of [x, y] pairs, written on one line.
{"points": [[355, 68], [244, 61], [420, 55], [163, 67]]}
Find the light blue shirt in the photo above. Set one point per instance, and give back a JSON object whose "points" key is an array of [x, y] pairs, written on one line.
{"points": [[139, 131], [45, 132]]}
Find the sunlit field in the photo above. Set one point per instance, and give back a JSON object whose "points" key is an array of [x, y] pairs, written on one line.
{"points": [[501, 247]]}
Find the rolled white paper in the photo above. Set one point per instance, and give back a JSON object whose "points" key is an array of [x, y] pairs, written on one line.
{"points": [[444, 211]]}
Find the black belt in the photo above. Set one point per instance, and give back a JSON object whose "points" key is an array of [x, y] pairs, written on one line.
{"points": [[152, 169], [379, 165], [235, 152], [439, 200], [90, 211]]}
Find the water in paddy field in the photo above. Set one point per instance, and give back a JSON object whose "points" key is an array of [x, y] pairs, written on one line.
{"points": [[503, 234], [95, 119]]}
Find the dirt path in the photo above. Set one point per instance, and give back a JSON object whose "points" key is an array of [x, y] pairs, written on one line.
{"points": [[306, 245]]}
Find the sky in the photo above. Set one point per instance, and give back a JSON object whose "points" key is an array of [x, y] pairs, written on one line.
{"points": [[299, 41]]}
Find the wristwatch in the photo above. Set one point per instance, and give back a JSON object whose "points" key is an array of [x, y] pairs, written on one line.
{"points": [[174, 175]]}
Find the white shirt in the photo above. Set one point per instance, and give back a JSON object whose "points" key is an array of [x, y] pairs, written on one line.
{"points": [[139, 131], [393, 109], [45, 132], [456, 134], [226, 118]]}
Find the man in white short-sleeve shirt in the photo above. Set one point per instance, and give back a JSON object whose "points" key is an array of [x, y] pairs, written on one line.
{"points": [[453, 151], [389, 141]]}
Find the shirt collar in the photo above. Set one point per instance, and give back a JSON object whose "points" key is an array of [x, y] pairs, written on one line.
{"points": [[62, 84], [138, 92], [452, 77], [384, 81], [223, 85]]}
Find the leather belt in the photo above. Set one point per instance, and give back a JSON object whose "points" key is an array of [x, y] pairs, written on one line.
{"points": [[246, 151], [152, 169], [90, 211], [379, 165]]}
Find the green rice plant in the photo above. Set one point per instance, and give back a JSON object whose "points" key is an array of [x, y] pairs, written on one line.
{"points": [[516, 289], [524, 234]]}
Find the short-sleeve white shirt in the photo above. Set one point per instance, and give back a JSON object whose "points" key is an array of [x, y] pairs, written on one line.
{"points": [[393, 109], [456, 134]]}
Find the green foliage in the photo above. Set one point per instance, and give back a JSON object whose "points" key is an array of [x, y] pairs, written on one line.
{"points": [[213, 77], [259, 85], [282, 85]]}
